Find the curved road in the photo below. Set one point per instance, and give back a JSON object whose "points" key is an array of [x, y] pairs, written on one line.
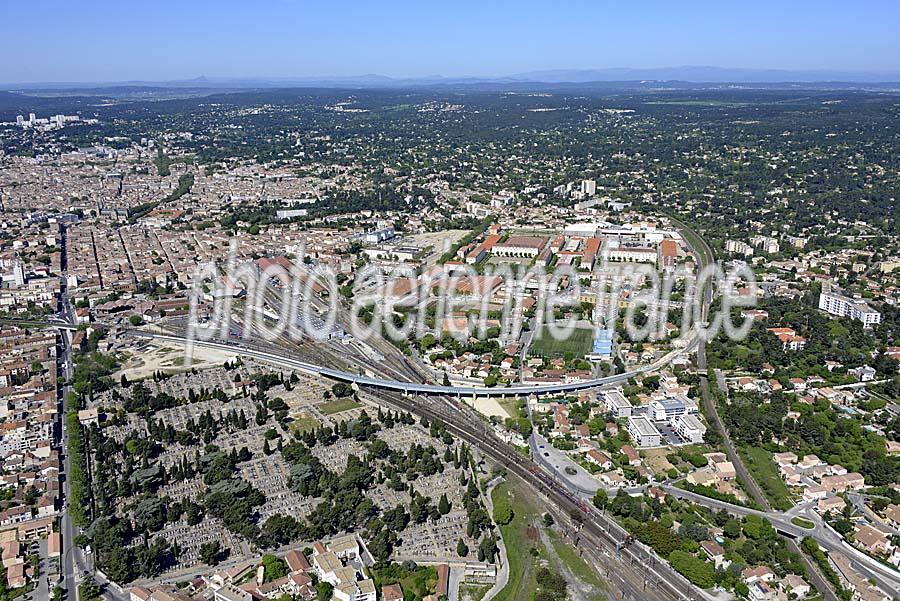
{"points": [[827, 538]]}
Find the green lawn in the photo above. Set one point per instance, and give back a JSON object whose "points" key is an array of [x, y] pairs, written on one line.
{"points": [[416, 584], [765, 472], [338, 405], [578, 343], [510, 405], [304, 423], [802, 523]]}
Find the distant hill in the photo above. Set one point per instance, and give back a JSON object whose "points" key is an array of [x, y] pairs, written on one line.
{"points": [[700, 74], [682, 75], [12, 104]]}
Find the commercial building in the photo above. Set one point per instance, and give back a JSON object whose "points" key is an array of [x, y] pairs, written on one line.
{"points": [[668, 253], [601, 349], [666, 410], [520, 246], [379, 236]]}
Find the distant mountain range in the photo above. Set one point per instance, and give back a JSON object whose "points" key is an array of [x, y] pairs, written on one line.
{"points": [[687, 74], [695, 74]]}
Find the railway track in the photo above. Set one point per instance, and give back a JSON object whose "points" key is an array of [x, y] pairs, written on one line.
{"points": [[599, 534]]}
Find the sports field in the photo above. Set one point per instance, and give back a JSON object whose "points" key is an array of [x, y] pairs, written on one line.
{"points": [[578, 343]]}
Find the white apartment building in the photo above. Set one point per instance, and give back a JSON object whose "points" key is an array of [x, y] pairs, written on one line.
{"points": [[643, 432], [769, 245], [844, 306], [689, 428], [617, 404], [588, 187], [632, 254], [739, 248]]}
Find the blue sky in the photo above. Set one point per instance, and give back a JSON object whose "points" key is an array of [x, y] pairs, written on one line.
{"points": [[104, 40]]}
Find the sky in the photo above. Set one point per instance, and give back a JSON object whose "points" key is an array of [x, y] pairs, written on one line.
{"points": [[157, 40]]}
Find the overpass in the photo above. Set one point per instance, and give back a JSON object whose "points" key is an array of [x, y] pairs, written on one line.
{"points": [[243, 349], [781, 522]]}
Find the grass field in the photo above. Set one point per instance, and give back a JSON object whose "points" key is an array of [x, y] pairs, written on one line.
{"points": [[473, 592], [759, 462], [526, 550], [522, 582], [510, 405], [578, 344], [416, 584], [656, 459], [338, 405], [576, 565], [304, 423]]}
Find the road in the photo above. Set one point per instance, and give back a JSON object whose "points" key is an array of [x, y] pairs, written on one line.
{"points": [[705, 256], [73, 561], [649, 577], [859, 502], [71, 554], [640, 569], [827, 538]]}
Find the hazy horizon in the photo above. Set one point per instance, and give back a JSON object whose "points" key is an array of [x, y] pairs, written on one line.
{"points": [[102, 41]]}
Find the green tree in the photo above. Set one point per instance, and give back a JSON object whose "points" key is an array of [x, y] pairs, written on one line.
{"points": [[462, 549], [89, 591], [503, 513], [324, 591], [444, 505], [210, 553], [699, 572], [273, 568]]}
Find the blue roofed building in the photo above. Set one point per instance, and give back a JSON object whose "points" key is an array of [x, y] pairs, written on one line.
{"points": [[602, 347]]}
